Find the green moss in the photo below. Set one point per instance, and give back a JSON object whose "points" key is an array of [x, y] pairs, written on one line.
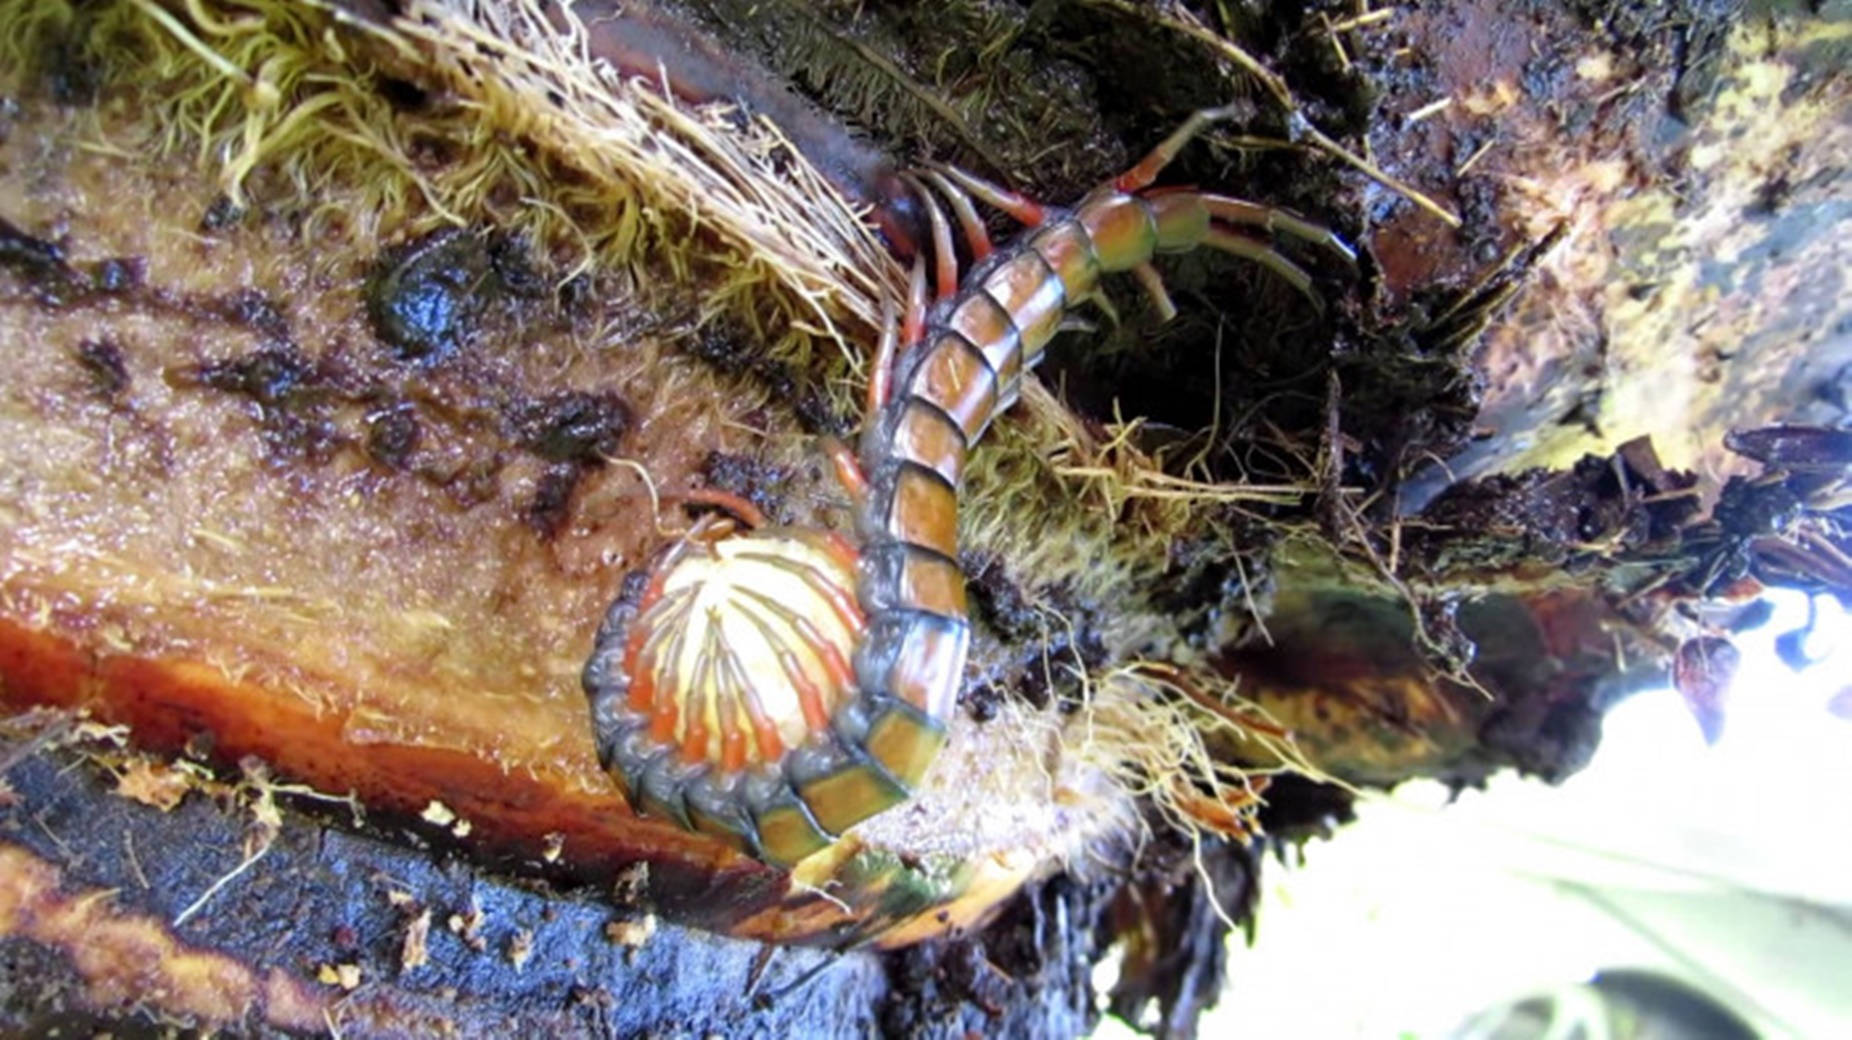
{"points": [[393, 132]]}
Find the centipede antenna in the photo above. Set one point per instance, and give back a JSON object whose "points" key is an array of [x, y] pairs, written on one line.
{"points": [[1265, 255], [1148, 168], [1252, 214], [1024, 209], [976, 235], [945, 261], [1153, 284]]}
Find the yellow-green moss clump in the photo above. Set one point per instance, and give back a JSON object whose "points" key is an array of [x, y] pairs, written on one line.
{"points": [[514, 125]]}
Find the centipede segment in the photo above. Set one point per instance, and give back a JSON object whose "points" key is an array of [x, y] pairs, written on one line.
{"points": [[773, 687]]}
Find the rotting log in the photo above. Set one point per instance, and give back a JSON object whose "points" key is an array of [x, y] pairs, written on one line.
{"points": [[113, 906], [347, 381]]}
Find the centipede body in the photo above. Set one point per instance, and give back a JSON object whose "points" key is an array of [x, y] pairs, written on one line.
{"points": [[721, 641]]}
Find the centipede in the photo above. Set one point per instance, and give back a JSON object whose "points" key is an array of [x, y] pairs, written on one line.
{"points": [[773, 687]]}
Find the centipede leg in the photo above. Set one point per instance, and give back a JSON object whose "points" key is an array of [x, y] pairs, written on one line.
{"points": [[976, 236], [913, 325], [1148, 168], [881, 371], [945, 261], [1243, 213], [741, 507], [848, 471], [1024, 209], [1153, 284], [1265, 255]]}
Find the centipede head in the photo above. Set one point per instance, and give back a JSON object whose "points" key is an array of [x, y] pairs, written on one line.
{"points": [[724, 697]]}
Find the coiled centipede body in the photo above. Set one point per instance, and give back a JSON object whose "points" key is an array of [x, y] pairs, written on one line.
{"points": [[773, 687]]}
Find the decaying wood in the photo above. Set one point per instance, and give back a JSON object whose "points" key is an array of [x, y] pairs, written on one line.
{"points": [[315, 481], [111, 905]]}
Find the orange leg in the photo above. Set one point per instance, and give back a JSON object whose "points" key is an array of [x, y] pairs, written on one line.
{"points": [[1026, 210], [809, 698], [968, 221], [1148, 168], [945, 261], [1252, 214], [881, 371], [740, 507], [645, 637], [887, 354], [839, 671], [1265, 255], [842, 602], [771, 746], [1153, 284], [848, 471]]}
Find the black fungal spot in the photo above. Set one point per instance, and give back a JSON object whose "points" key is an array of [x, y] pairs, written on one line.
{"points": [[761, 484], [254, 310], [724, 350], [101, 360], [574, 426], [291, 394], [551, 506], [223, 213], [41, 265], [434, 296], [1046, 656], [578, 296], [26, 254], [472, 484], [423, 298], [392, 436], [1053, 671], [54, 280], [268, 376], [511, 261], [118, 275], [981, 702], [812, 408], [734, 354], [997, 602]]}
